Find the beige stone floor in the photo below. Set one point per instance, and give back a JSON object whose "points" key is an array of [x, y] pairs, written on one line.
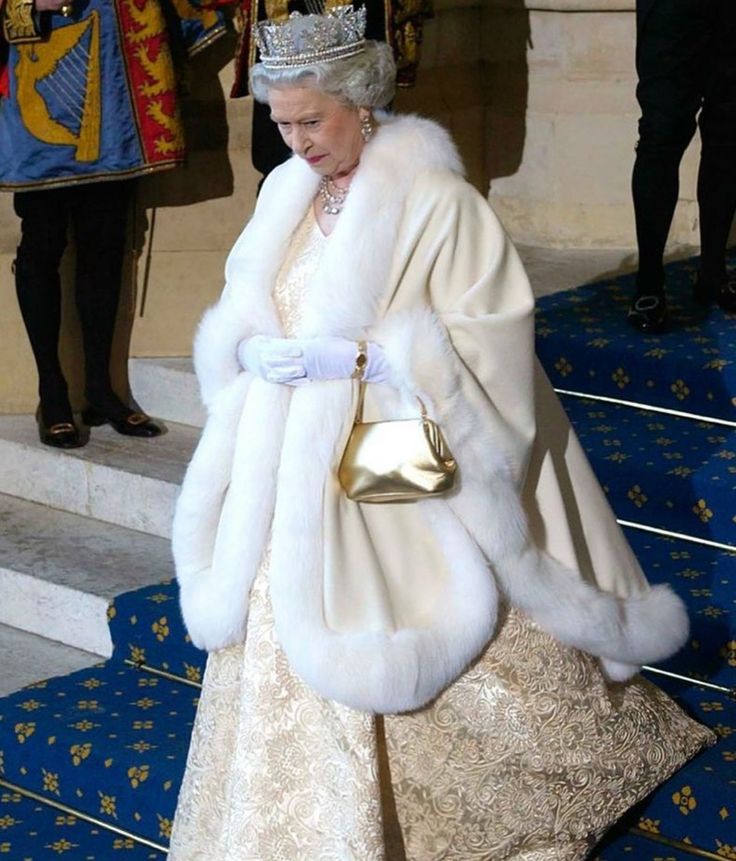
{"points": [[551, 270]]}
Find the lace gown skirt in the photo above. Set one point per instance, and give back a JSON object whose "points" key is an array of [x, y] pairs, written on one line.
{"points": [[529, 756]]}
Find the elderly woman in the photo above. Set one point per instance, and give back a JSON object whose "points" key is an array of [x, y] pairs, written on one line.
{"points": [[445, 678]]}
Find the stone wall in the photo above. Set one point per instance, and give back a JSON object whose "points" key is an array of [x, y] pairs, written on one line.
{"points": [[539, 96], [561, 123]]}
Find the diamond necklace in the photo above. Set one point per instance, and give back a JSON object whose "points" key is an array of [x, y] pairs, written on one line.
{"points": [[332, 196]]}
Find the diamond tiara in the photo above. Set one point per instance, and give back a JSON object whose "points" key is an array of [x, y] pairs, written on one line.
{"points": [[306, 39]]}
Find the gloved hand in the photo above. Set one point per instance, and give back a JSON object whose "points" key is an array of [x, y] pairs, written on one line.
{"points": [[277, 360], [334, 359], [296, 361]]}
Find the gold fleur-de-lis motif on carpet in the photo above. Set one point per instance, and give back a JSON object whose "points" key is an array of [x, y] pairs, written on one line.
{"points": [[137, 774], [621, 378], [618, 457], [681, 471], [716, 364], [65, 820], [563, 367], [685, 800], [24, 731], [108, 804], [637, 496], [161, 629], [701, 510], [679, 390], [726, 851], [62, 845], [80, 752], [137, 654], [50, 781], [194, 674], [729, 653]]}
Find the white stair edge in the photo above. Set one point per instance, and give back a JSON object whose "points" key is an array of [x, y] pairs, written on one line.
{"points": [[80, 481], [55, 611], [59, 572], [27, 658]]}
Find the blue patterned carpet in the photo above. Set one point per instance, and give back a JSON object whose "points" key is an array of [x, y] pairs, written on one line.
{"points": [[586, 346], [31, 831], [108, 745]]}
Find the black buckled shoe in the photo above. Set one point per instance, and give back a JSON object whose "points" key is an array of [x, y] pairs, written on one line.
{"points": [[648, 313], [122, 419], [726, 295], [58, 434]]}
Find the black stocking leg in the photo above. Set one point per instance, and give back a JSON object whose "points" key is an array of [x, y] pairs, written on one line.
{"points": [[44, 218]]}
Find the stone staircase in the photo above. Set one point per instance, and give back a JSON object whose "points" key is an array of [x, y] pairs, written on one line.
{"points": [[83, 526], [79, 529]]}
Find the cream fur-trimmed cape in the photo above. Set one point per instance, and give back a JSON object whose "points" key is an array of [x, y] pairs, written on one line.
{"points": [[380, 607]]}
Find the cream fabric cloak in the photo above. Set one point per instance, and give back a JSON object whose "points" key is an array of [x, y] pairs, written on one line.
{"points": [[381, 606]]}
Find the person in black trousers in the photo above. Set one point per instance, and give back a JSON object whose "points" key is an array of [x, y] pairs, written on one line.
{"points": [[686, 62], [83, 113], [97, 213]]}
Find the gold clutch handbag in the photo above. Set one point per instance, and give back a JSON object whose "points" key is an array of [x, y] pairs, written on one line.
{"points": [[396, 460]]}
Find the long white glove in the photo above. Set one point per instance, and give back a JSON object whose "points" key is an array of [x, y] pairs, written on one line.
{"points": [[277, 360], [295, 361]]}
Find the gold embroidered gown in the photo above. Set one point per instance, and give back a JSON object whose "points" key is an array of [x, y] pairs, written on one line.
{"points": [[528, 756]]}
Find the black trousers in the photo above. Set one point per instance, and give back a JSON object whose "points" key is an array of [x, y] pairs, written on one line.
{"points": [[97, 213], [686, 62]]}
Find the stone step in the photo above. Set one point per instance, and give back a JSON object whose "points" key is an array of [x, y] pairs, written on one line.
{"points": [[25, 658], [118, 479], [59, 572], [167, 388]]}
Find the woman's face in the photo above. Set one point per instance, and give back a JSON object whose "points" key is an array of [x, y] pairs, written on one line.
{"points": [[322, 131]]}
